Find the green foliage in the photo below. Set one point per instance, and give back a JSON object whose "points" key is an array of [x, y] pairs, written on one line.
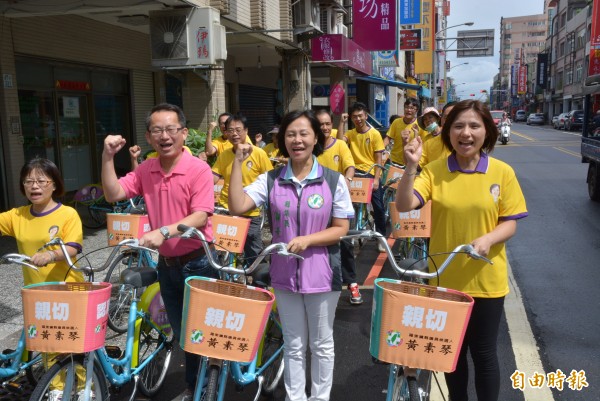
{"points": [[195, 140]]}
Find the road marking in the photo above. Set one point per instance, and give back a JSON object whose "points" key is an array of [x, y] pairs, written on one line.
{"points": [[524, 136], [525, 349], [377, 266], [569, 152]]}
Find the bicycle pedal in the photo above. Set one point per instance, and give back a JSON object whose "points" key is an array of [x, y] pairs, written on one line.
{"points": [[13, 387], [113, 351]]}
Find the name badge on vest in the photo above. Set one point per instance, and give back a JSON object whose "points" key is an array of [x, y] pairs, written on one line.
{"points": [[315, 201]]}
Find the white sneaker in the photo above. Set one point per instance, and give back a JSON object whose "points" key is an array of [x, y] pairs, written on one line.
{"points": [[80, 396], [55, 395]]}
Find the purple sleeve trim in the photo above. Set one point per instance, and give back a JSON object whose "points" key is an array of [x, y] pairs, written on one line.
{"points": [[418, 195], [513, 217], [75, 245]]}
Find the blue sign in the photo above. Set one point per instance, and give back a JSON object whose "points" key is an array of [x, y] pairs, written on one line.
{"points": [[410, 12]]}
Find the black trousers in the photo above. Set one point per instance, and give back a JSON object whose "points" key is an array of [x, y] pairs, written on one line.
{"points": [[480, 340]]}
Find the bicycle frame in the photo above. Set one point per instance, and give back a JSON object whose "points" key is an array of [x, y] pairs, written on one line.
{"points": [[129, 361], [17, 365]]}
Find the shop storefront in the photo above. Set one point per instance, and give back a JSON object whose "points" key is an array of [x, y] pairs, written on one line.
{"points": [[66, 112]]}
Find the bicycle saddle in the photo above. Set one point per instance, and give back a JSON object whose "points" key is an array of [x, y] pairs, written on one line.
{"points": [[139, 276]]}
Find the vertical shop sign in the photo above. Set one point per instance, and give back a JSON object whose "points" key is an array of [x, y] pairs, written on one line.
{"points": [[410, 12], [374, 24], [337, 99], [522, 85], [424, 57], [594, 67]]}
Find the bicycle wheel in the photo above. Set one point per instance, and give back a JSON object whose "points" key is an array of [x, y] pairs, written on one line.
{"points": [[212, 384], [35, 372], [66, 370], [389, 196], [424, 382], [97, 213], [153, 375], [121, 295], [272, 342], [404, 388]]}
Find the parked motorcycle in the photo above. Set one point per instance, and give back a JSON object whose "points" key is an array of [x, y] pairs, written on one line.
{"points": [[504, 133]]}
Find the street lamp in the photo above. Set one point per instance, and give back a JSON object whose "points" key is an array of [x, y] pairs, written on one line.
{"points": [[458, 65], [435, 59]]}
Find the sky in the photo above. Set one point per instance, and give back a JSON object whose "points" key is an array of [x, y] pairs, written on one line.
{"points": [[479, 73]]}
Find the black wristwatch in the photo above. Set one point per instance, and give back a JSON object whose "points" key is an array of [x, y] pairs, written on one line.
{"points": [[165, 232]]}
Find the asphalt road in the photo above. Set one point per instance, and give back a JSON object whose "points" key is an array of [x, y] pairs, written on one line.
{"points": [[550, 318]]}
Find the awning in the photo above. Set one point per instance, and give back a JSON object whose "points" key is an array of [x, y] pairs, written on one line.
{"points": [[398, 84]]}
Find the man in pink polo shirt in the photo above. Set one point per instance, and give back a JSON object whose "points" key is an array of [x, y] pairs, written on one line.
{"points": [[178, 189]]}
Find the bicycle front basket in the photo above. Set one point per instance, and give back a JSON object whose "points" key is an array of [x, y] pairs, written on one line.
{"points": [[418, 325], [65, 317], [223, 320]]}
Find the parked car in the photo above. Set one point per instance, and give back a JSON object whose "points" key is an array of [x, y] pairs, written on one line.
{"points": [[554, 120], [560, 121], [520, 115], [535, 118], [497, 116], [574, 120]]}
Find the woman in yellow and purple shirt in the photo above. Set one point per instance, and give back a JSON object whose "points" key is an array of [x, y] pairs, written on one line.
{"points": [[476, 200]]}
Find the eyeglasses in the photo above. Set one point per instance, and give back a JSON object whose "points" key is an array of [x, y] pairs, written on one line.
{"points": [[172, 131], [40, 183], [410, 107], [236, 130]]}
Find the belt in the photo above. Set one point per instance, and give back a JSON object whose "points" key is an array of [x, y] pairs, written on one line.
{"points": [[174, 261]]}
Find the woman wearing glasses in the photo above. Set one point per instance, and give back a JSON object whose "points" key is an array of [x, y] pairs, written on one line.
{"points": [[45, 218], [36, 224]]}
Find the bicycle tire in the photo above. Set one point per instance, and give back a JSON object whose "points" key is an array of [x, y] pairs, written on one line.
{"points": [[36, 371], [404, 388], [272, 342], [424, 382], [99, 385], [154, 373], [388, 196], [121, 295], [212, 384], [97, 213]]}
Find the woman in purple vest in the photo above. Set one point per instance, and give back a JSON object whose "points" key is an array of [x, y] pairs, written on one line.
{"points": [[310, 208]]}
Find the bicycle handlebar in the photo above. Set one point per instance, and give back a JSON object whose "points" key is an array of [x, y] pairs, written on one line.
{"points": [[279, 247], [18, 259], [360, 174], [132, 243], [369, 234]]}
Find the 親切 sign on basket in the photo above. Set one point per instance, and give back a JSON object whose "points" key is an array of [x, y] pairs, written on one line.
{"points": [[65, 316], [417, 325], [223, 320]]}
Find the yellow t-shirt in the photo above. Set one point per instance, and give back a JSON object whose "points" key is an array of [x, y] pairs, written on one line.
{"points": [[337, 157], [395, 133], [33, 231], [256, 164], [363, 148], [465, 206], [433, 149], [222, 144]]}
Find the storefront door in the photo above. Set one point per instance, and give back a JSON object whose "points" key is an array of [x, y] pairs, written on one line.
{"points": [[73, 139]]}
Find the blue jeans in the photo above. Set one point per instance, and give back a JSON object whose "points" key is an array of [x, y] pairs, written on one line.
{"points": [[172, 284]]}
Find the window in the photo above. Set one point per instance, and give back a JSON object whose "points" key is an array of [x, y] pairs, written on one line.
{"points": [[559, 80], [579, 72], [569, 76], [580, 41], [561, 49]]}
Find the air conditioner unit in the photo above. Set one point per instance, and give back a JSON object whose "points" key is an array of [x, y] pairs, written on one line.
{"points": [[187, 37], [306, 15]]}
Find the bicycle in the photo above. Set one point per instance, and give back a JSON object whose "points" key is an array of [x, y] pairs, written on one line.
{"points": [[266, 368], [18, 362], [92, 206], [146, 357], [407, 383]]}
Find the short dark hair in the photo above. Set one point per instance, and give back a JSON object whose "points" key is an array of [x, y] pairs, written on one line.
{"points": [[393, 117], [412, 100], [226, 114], [323, 111], [314, 123], [491, 131], [166, 107], [48, 168], [237, 117], [358, 106], [449, 104]]}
